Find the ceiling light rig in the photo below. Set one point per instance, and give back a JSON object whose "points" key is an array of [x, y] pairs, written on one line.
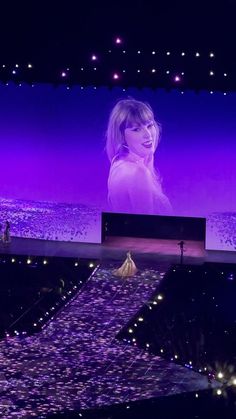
{"points": [[97, 70]]}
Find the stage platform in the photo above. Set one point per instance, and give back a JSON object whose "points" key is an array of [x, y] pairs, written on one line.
{"points": [[76, 364], [115, 248]]}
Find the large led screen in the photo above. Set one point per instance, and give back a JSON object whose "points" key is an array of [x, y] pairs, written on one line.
{"points": [[169, 153]]}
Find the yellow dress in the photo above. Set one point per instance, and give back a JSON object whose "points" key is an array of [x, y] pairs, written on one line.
{"points": [[127, 268]]}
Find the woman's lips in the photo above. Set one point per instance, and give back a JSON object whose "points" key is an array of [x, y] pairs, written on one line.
{"points": [[147, 144]]}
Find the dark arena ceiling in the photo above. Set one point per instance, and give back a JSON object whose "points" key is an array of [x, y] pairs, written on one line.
{"points": [[168, 44]]}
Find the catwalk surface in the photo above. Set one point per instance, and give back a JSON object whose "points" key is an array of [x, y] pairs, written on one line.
{"points": [[76, 362]]}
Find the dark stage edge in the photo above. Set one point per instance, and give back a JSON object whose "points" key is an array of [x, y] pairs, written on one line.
{"points": [[115, 248]]}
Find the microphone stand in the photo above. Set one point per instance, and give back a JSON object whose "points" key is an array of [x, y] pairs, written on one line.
{"points": [[181, 245]]}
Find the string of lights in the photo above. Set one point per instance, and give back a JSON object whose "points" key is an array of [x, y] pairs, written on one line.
{"points": [[131, 67]]}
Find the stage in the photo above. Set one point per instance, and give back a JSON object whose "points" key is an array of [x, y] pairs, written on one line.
{"points": [[115, 248], [76, 363]]}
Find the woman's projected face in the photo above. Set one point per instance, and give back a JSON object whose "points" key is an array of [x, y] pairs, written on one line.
{"points": [[141, 138]]}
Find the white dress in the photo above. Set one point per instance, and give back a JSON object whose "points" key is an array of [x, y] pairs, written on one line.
{"points": [[127, 268]]}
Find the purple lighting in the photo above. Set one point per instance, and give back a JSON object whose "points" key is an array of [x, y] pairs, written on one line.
{"points": [[118, 40], [94, 57], [177, 79], [116, 76], [63, 74]]}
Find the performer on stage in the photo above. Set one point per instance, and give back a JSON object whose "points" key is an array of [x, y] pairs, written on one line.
{"points": [[134, 185], [128, 268], [6, 233]]}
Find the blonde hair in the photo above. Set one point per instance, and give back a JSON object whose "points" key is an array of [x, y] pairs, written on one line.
{"points": [[124, 114]]}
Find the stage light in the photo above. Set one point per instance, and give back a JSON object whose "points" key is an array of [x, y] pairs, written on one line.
{"points": [[82, 68], [29, 65], [17, 65], [13, 71], [168, 53], [220, 375], [138, 71], [160, 297], [124, 52], [45, 262], [133, 340], [139, 52], [225, 74], [211, 55], [153, 52], [153, 70], [28, 261], [118, 41], [147, 345], [13, 260], [176, 356], [130, 330], [211, 92], [182, 54], [167, 71], [91, 265], [211, 73], [196, 395], [162, 350], [177, 79], [218, 392], [140, 319], [63, 74], [234, 381], [94, 57], [3, 66], [115, 76]]}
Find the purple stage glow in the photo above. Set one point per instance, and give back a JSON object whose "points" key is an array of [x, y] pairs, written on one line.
{"points": [[53, 155]]}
